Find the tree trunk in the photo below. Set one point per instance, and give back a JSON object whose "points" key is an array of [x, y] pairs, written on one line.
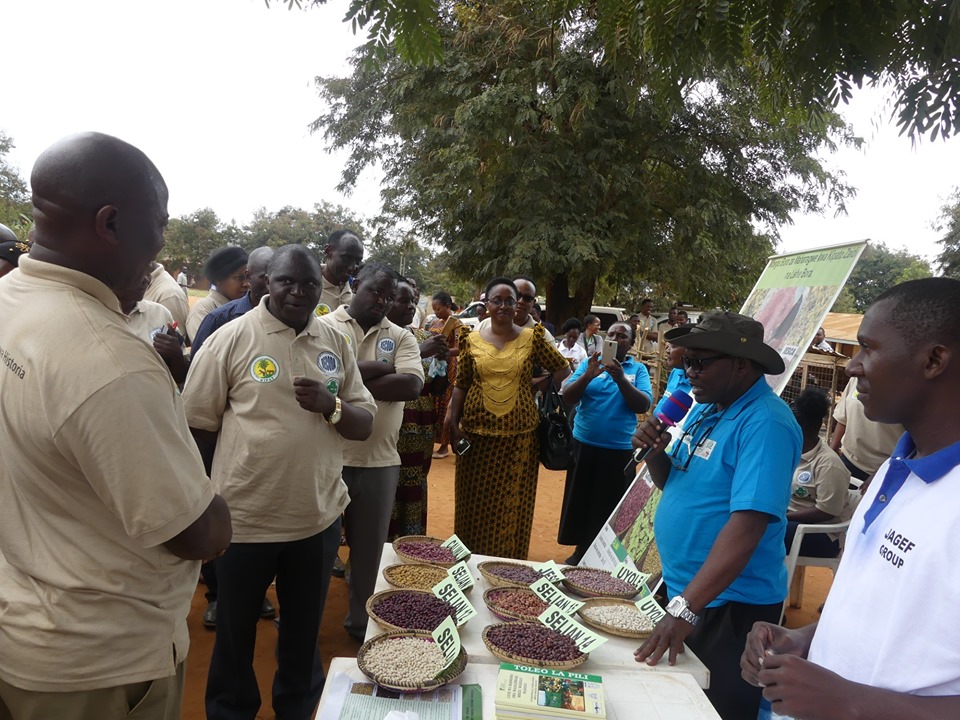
{"points": [[561, 304]]}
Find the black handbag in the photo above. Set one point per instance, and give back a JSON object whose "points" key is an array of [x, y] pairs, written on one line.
{"points": [[556, 440]]}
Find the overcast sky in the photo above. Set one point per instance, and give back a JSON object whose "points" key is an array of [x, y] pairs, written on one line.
{"points": [[219, 93]]}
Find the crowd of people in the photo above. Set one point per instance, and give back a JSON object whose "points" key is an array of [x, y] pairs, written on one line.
{"points": [[302, 401]]}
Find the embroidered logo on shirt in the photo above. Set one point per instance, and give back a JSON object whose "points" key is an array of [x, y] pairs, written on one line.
{"points": [[333, 386], [322, 309], [800, 492], [386, 345], [156, 331], [804, 477], [328, 363], [264, 369]]}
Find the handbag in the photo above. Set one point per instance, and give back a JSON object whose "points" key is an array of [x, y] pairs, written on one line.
{"points": [[556, 440]]}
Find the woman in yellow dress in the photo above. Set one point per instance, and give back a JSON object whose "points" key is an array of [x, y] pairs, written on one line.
{"points": [[493, 409]]}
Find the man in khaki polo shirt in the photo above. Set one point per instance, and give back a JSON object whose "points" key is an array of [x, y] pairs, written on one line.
{"points": [[389, 360], [343, 253], [269, 397], [165, 290], [863, 444], [105, 509]]}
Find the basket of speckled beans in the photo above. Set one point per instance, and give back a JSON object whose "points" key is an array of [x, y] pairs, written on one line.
{"points": [[407, 662], [500, 573], [511, 604], [594, 582], [408, 610], [425, 549], [416, 576], [531, 643]]}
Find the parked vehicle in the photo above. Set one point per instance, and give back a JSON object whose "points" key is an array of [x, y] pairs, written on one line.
{"points": [[468, 316]]}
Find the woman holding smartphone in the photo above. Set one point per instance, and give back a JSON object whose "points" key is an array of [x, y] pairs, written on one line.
{"points": [[610, 395], [443, 323], [493, 422]]}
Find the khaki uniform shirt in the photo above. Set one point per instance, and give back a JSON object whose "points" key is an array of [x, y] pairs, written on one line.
{"points": [[821, 480], [97, 471], [202, 308], [383, 342], [165, 290], [148, 319], [277, 465], [865, 443], [332, 296]]}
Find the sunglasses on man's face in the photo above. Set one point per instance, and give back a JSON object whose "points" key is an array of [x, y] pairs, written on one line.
{"points": [[526, 298], [698, 365]]}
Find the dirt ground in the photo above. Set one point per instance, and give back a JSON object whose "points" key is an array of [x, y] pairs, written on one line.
{"points": [[334, 641]]}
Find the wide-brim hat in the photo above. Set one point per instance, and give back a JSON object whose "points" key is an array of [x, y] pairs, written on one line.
{"points": [[731, 334]]}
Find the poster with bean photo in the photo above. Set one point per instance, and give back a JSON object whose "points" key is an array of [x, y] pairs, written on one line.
{"points": [[791, 298]]}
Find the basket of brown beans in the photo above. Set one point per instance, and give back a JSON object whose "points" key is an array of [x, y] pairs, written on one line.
{"points": [[407, 662], [508, 574], [528, 643], [415, 576], [408, 610], [424, 549], [594, 582], [616, 617], [509, 603]]}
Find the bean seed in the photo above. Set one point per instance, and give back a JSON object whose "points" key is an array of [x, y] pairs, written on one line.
{"points": [[413, 610], [533, 641], [403, 661], [430, 552], [522, 602], [514, 573], [416, 577], [599, 581], [624, 617]]}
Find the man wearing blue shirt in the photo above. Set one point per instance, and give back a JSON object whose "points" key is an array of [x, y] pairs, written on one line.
{"points": [[726, 487], [886, 645], [610, 396]]}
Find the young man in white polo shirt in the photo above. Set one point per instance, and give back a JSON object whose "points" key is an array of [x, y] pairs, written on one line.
{"points": [[271, 399], [886, 646], [389, 360]]}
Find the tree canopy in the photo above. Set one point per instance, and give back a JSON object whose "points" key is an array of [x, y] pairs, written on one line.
{"points": [[949, 224], [524, 151], [878, 270], [15, 210], [803, 56]]}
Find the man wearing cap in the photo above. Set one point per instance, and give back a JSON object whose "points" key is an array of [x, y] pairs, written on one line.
{"points": [[343, 253], [10, 250], [164, 289], [721, 519], [226, 269]]}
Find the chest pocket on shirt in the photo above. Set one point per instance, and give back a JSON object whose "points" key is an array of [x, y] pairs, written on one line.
{"points": [[331, 371]]}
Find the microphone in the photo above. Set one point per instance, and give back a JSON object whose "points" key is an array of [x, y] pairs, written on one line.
{"points": [[672, 410]]}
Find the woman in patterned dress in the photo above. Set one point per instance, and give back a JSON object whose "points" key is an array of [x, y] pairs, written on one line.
{"points": [[443, 309], [415, 443], [493, 408]]}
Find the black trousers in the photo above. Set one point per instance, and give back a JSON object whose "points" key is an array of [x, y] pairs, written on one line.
{"points": [[718, 640], [302, 569]]}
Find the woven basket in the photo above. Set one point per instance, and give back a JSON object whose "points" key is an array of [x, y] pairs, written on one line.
{"points": [[389, 574], [451, 673], [420, 561], [496, 580], [589, 592], [377, 597], [611, 629], [503, 614], [520, 660]]}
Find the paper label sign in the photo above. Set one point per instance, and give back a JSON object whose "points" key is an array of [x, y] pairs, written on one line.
{"points": [[630, 575], [550, 570], [585, 638], [456, 546], [548, 592], [461, 573], [448, 640], [448, 591], [649, 607]]}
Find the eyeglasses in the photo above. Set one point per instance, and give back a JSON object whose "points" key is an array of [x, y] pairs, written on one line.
{"points": [[527, 298], [502, 302], [699, 364]]}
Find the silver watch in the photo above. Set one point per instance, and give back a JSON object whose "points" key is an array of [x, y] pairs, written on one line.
{"points": [[680, 608]]}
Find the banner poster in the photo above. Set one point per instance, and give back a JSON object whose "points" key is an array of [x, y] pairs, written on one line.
{"points": [[791, 298]]}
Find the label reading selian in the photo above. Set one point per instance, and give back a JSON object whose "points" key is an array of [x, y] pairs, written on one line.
{"points": [[456, 546], [630, 575], [448, 640], [585, 639], [550, 570], [448, 591], [547, 591], [650, 607], [461, 573]]}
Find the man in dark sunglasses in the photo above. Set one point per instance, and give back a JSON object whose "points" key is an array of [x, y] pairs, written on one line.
{"points": [[726, 486]]}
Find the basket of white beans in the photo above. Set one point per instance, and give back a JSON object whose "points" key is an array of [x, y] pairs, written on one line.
{"points": [[616, 617], [407, 662]]}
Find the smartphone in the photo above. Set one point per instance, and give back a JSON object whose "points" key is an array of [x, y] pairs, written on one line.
{"points": [[463, 446], [449, 326], [609, 351]]}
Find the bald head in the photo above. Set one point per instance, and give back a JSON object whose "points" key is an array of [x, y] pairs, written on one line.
{"points": [[7, 235], [257, 263], [100, 206]]}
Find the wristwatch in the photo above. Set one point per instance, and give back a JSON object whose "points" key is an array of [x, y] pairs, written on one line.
{"points": [[680, 608], [337, 413]]}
